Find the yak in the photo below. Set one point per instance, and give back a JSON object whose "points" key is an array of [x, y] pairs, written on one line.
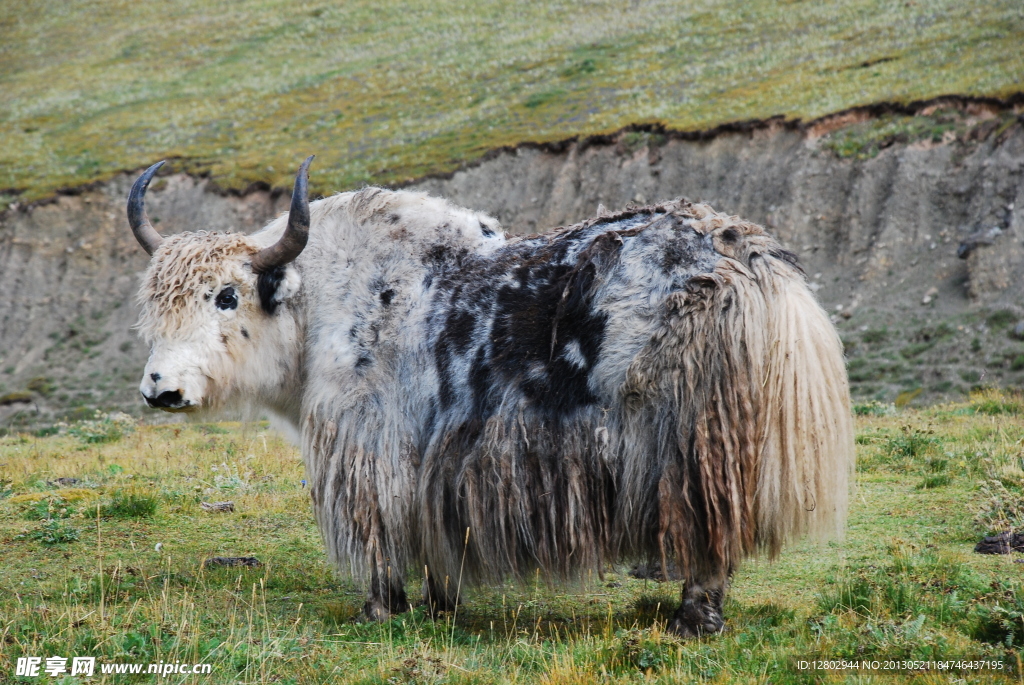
{"points": [[656, 384]]}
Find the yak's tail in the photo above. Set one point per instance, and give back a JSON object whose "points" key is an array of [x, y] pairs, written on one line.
{"points": [[807, 455]]}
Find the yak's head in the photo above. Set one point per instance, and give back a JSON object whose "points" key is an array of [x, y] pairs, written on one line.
{"points": [[217, 309]]}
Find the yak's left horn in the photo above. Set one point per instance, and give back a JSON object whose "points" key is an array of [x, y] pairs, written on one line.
{"points": [[296, 234], [137, 219]]}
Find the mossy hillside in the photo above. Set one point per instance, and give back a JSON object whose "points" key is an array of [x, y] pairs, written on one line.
{"points": [[927, 358], [128, 584], [384, 92]]}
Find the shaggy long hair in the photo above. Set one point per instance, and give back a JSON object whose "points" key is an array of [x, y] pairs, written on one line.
{"points": [[737, 431], [657, 384]]}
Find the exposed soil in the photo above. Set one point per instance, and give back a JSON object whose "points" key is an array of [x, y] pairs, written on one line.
{"points": [[876, 204]]}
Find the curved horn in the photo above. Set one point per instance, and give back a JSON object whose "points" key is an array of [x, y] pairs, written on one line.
{"points": [[143, 230], [295, 235]]}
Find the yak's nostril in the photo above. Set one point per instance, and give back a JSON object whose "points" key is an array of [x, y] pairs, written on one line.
{"points": [[166, 400], [169, 398], [156, 377]]}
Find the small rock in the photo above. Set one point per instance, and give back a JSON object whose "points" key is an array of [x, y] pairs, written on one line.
{"points": [[1003, 543], [982, 237], [218, 506], [1018, 331], [251, 562], [15, 398], [930, 295]]}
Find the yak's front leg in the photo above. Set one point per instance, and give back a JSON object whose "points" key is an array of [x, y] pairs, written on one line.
{"points": [[701, 610], [386, 595]]}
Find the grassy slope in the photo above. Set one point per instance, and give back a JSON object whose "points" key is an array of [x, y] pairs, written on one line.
{"points": [[385, 91], [904, 584]]}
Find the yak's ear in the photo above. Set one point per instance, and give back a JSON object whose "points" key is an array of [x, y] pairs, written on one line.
{"points": [[277, 285]]}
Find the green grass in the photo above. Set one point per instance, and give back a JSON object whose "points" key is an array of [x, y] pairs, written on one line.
{"points": [[130, 505], [384, 92], [866, 139], [863, 141], [904, 584], [995, 403], [102, 428], [51, 532]]}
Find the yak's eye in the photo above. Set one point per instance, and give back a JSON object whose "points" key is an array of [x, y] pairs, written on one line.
{"points": [[227, 299]]}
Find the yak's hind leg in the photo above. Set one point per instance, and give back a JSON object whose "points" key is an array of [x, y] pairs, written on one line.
{"points": [[700, 612], [386, 595]]}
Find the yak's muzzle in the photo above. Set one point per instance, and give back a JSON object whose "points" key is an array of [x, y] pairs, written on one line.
{"points": [[169, 400]]}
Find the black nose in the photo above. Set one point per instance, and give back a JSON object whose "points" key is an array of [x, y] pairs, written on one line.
{"points": [[169, 399]]}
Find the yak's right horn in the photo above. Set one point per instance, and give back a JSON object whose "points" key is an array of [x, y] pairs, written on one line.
{"points": [[141, 227], [296, 234]]}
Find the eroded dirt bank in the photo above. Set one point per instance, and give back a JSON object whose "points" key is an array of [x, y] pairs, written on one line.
{"points": [[877, 211]]}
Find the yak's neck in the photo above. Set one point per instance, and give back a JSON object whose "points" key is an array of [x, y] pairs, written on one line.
{"points": [[281, 369], [286, 405]]}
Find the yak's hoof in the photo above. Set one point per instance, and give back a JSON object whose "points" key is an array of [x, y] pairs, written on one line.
{"points": [[696, 618], [437, 602], [377, 611], [437, 606]]}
